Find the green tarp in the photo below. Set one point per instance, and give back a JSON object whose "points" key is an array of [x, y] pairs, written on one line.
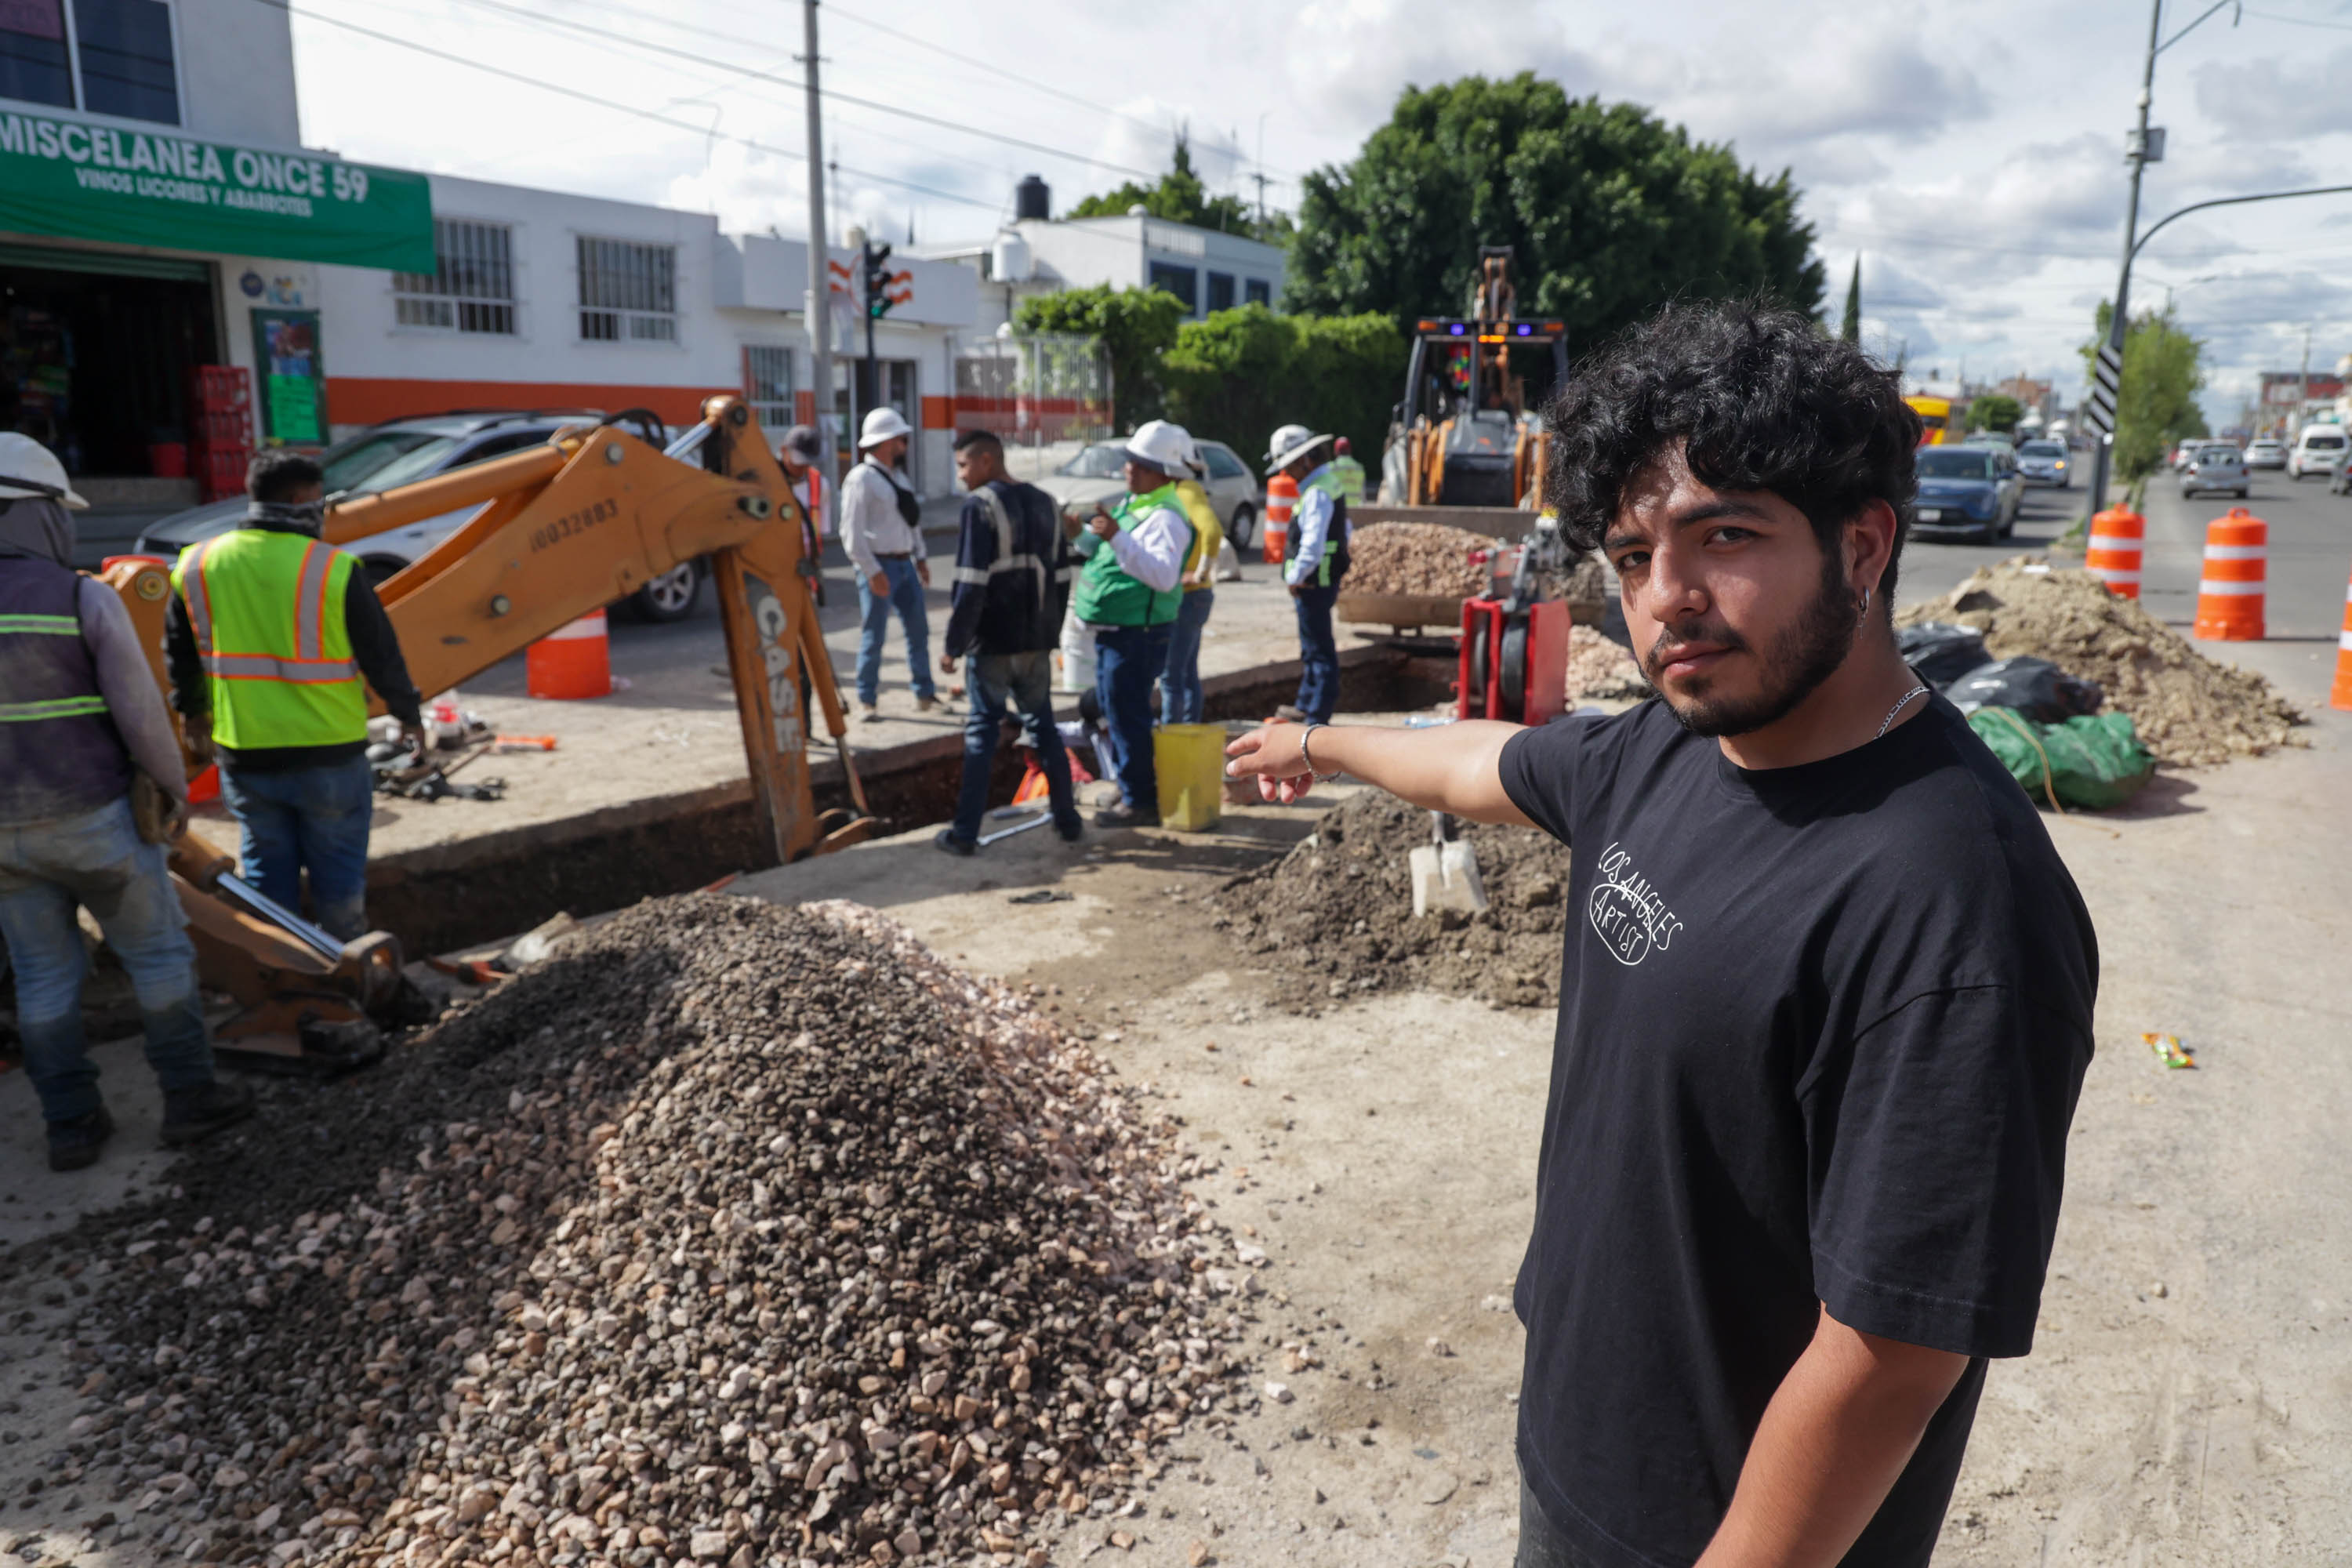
{"points": [[2093, 762], [64, 176]]}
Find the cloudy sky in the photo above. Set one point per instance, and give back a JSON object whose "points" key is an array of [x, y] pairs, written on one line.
{"points": [[1970, 155]]}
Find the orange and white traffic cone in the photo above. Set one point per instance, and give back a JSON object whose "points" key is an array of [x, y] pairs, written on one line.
{"points": [[2117, 536], [2230, 591], [573, 661], [1281, 501], [2340, 695]]}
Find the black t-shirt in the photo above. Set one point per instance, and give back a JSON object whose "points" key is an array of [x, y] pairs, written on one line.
{"points": [[1821, 1033]]}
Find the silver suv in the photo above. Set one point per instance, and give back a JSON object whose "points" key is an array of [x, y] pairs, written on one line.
{"points": [[2214, 465], [401, 451]]}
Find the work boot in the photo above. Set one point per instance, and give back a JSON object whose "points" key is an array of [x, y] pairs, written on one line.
{"points": [[1126, 816], [74, 1145], [868, 713], [954, 844], [1071, 829], [1290, 713], [193, 1115], [924, 704]]}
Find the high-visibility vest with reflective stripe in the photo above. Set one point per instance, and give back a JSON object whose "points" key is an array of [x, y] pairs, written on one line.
{"points": [[267, 612], [60, 755]]}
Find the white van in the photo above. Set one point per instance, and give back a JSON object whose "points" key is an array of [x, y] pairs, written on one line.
{"points": [[2318, 450]]}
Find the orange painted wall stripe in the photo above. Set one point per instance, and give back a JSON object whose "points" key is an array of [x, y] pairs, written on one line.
{"points": [[368, 400]]}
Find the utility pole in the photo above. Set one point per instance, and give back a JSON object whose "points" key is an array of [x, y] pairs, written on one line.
{"points": [[2303, 383], [2136, 154], [819, 303]]}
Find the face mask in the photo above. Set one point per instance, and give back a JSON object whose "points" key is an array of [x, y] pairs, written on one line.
{"points": [[301, 516]]}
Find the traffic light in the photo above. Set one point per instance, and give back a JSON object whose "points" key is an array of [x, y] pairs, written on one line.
{"points": [[878, 280]]}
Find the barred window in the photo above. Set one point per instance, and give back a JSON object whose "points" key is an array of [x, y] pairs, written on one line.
{"points": [[628, 292], [768, 383], [471, 286]]}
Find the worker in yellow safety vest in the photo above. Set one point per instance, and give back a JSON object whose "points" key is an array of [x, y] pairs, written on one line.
{"points": [[273, 637]]}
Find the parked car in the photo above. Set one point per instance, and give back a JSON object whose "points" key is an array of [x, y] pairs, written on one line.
{"points": [[2214, 465], [2046, 463], [1975, 490], [2266, 453], [2318, 450], [1098, 473], [401, 451]]}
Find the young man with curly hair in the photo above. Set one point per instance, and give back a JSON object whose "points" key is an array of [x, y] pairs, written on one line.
{"points": [[1826, 994]]}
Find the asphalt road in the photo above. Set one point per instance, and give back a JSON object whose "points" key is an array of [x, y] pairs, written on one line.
{"points": [[2310, 559], [1932, 567]]}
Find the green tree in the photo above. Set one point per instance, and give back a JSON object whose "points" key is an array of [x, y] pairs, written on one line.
{"points": [[1851, 328], [2156, 400], [1237, 374], [1137, 326], [1609, 212], [1995, 411], [1180, 198]]}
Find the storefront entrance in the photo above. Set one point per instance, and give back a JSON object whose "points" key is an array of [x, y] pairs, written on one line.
{"points": [[95, 356]]}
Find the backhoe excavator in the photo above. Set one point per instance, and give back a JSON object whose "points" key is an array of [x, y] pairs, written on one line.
{"points": [[564, 527]]}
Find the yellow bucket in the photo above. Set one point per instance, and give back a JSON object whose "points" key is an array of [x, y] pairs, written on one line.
{"points": [[1191, 763]]}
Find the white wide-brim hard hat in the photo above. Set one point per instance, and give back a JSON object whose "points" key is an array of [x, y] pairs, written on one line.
{"points": [[30, 471], [883, 424], [1291, 443], [1157, 444]]}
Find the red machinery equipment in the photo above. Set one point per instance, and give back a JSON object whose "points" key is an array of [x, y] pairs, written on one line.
{"points": [[1514, 652]]}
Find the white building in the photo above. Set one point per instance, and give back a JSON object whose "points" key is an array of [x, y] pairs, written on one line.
{"points": [[158, 218], [1205, 270]]}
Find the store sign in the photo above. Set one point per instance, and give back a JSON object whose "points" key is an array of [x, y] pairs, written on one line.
{"points": [[65, 177], [293, 377]]}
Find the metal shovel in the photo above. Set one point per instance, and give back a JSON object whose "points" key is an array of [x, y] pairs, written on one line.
{"points": [[1445, 870]]}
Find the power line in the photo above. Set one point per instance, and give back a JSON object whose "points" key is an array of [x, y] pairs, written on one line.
{"points": [[603, 102]]}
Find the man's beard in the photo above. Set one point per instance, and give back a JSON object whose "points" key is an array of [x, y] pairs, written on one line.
{"points": [[1799, 659]]}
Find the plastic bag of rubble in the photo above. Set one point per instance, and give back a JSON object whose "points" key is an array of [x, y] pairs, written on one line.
{"points": [[1940, 651], [2088, 762], [2034, 687]]}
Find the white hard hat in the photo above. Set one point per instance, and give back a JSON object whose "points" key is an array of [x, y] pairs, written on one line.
{"points": [[29, 470], [1157, 444], [883, 424], [1289, 444]]}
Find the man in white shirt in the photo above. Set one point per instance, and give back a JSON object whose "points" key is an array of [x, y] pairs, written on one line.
{"points": [[881, 529]]}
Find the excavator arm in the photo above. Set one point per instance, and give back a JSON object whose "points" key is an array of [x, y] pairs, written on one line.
{"points": [[564, 529]]}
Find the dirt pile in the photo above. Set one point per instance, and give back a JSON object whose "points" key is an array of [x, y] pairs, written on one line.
{"points": [[1416, 558], [1339, 907], [2186, 708], [1601, 670], [731, 1234]]}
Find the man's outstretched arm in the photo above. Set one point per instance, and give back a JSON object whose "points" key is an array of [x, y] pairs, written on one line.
{"points": [[1838, 1431], [1454, 768]]}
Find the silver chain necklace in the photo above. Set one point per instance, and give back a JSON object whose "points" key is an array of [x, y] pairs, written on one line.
{"points": [[1903, 702]]}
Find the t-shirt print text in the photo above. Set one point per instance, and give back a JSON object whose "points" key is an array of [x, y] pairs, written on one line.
{"points": [[1627, 911]]}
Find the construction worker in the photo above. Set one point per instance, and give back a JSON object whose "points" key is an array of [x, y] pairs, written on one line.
{"points": [[1180, 700], [882, 530], [270, 633], [79, 719], [1131, 593], [1346, 472], [1314, 559], [798, 454], [1830, 989], [1013, 584]]}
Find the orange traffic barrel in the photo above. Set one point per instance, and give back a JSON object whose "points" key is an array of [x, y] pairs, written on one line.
{"points": [[574, 660], [1281, 501], [2340, 695], [2229, 590], [2117, 536]]}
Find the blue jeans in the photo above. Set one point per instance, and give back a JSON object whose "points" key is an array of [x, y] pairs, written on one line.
{"points": [[307, 819], [1319, 650], [96, 860], [906, 596], [1022, 682], [1127, 660], [1179, 689]]}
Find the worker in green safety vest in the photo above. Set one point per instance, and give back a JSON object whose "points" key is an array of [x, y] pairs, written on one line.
{"points": [[1130, 593], [274, 637]]}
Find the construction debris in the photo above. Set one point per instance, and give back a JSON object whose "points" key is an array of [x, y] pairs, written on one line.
{"points": [[1341, 902], [1600, 670], [728, 1234], [2189, 708], [1418, 559]]}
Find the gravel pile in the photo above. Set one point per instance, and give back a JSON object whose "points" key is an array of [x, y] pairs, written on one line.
{"points": [[729, 1234], [2186, 708], [1417, 558], [1340, 903], [1601, 670]]}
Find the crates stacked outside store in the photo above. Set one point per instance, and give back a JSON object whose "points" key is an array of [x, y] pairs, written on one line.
{"points": [[220, 407]]}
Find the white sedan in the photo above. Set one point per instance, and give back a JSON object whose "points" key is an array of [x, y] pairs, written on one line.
{"points": [[1099, 474]]}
